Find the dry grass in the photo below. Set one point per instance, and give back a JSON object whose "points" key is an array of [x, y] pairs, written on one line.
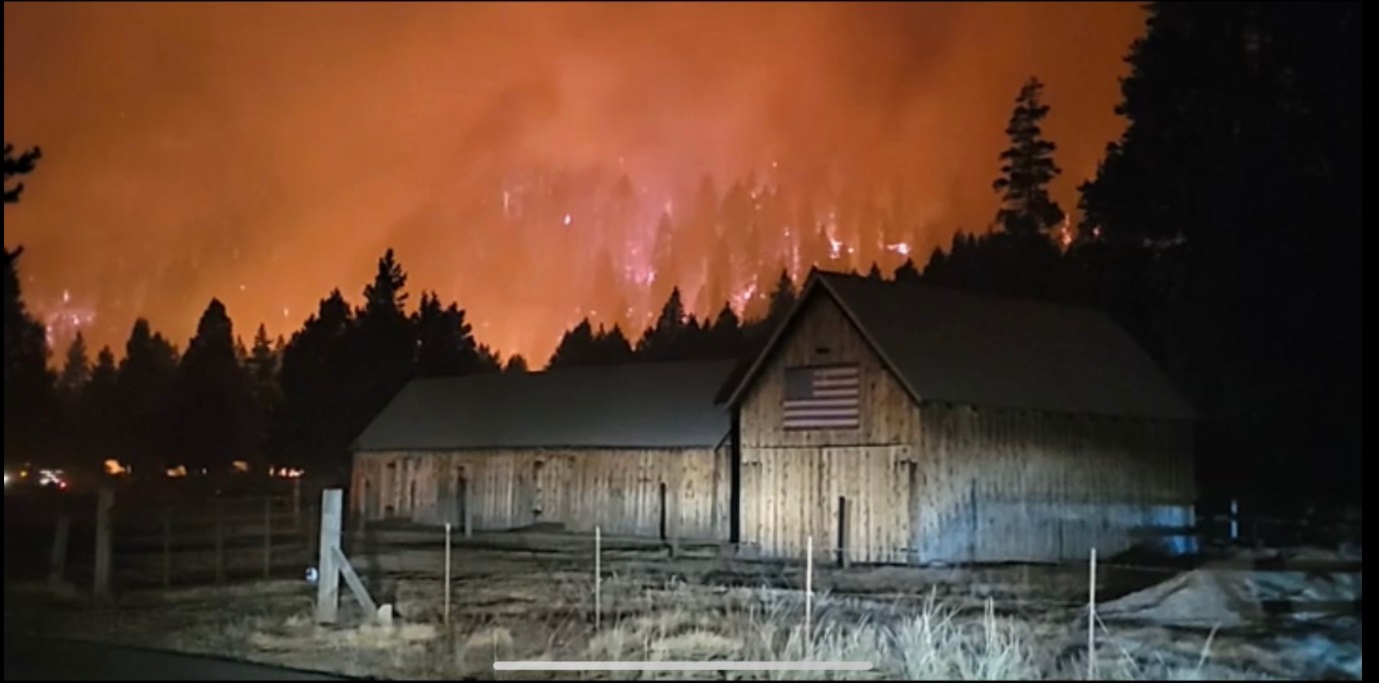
{"points": [[909, 624]]}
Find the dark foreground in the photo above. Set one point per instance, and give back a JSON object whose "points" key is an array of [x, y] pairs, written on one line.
{"points": [[36, 659]]}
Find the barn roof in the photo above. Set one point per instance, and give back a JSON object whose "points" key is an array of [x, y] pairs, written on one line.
{"points": [[648, 405], [955, 347]]}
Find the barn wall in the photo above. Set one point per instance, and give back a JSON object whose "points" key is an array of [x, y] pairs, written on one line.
{"points": [[792, 481], [619, 490], [947, 484], [1001, 485]]}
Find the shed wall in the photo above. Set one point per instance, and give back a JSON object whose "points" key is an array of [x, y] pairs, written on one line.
{"points": [[618, 490]]}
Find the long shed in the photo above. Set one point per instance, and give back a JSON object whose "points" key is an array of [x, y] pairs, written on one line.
{"points": [[636, 449], [895, 422]]}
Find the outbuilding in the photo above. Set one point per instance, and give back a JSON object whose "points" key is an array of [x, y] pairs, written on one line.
{"points": [[896, 422], [636, 449]]}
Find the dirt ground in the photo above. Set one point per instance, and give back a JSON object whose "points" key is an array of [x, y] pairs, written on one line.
{"points": [[525, 597]]}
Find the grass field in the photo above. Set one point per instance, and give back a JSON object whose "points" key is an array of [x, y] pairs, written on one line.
{"points": [[527, 598]]}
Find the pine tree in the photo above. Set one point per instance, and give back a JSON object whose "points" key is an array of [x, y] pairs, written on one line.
{"points": [[146, 382], [98, 415], [663, 259], [28, 383], [317, 375], [725, 335], [576, 348], [664, 341], [1027, 169], [516, 365], [76, 370], [907, 271], [783, 298], [215, 405], [445, 341]]}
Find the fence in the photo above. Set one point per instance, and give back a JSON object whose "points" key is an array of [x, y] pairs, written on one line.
{"points": [[139, 542], [211, 540]]}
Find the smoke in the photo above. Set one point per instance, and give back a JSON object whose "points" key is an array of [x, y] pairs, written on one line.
{"points": [[268, 153]]}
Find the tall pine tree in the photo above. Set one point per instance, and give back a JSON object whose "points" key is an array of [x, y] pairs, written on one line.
{"points": [[215, 405], [1027, 168]]}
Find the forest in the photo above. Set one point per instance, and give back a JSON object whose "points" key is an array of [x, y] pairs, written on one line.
{"points": [[1222, 230]]}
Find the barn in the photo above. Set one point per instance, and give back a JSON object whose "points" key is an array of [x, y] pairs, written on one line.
{"points": [[637, 450], [894, 422]]}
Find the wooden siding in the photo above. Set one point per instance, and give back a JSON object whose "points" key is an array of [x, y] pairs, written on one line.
{"points": [[793, 494], [618, 490], [1001, 485], [793, 480], [889, 417], [947, 483]]}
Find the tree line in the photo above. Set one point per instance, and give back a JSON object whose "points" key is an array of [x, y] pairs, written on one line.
{"points": [[1222, 230]]}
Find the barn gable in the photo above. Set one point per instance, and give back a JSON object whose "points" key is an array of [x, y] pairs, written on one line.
{"points": [[823, 337], [951, 347]]}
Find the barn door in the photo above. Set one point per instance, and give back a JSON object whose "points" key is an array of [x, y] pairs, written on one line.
{"points": [[867, 502]]}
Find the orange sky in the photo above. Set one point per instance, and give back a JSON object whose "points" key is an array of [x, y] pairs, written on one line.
{"points": [[267, 153]]}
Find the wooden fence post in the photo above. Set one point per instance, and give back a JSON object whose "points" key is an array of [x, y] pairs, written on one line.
{"points": [[219, 541], [57, 561], [267, 537], [297, 503], [105, 502], [328, 579], [1091, 620], [844, 538], [167, 548], [468, 510]]}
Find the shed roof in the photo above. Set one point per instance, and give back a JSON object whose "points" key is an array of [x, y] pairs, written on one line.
{"points": [[955, 347], [649, 405]]}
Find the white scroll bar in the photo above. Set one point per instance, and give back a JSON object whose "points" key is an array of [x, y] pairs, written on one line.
{"points": [[682, 666]]}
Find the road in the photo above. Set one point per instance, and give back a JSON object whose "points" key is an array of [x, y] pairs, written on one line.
{"points": [[34, 659]]}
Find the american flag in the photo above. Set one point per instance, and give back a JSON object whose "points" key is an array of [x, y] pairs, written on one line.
{"points": [[822, 397]]}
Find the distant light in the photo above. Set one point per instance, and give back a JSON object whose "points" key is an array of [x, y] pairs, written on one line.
{"points": [[569, 219], [115, 468], [240, 466], [242, 288], [51, 478], [66, 296], [177, 472], [7, 480]]}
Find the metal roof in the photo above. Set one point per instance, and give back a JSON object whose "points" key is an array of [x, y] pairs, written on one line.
{"points": [[644, 405], [954, 347]]}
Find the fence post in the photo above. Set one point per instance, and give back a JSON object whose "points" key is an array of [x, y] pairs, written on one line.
{"points": [[105, 502], [448, 526], [57, 562], [167, 547], [598, 579], [328, 582], [267, 537], [297, 503], [219, 541], [844, 538], [809, 601], [468, 510], [1091, 621]]}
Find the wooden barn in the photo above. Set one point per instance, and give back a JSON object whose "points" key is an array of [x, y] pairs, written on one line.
{"points": [[897, 422], [635, 449]]}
